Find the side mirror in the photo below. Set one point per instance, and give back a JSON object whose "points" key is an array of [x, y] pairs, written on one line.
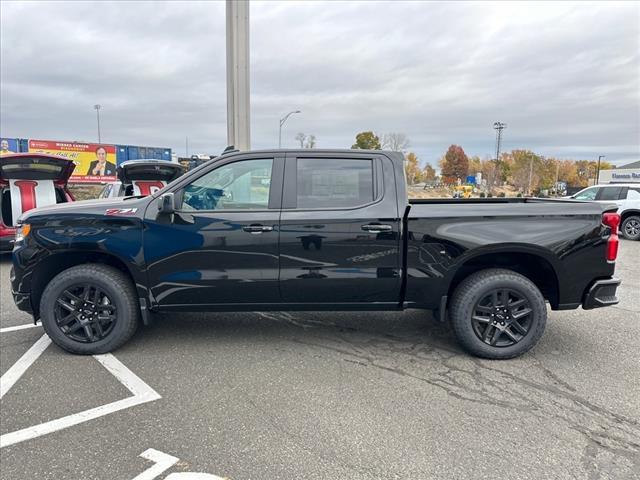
{"points": [[166, 204]]}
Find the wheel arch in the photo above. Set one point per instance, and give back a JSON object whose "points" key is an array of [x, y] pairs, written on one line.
{"points": [[532, 265], [629, 213], [52, 265]]}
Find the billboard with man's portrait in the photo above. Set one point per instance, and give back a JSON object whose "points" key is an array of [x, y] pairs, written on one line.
{"points": [[8, 145], [95, 163]]}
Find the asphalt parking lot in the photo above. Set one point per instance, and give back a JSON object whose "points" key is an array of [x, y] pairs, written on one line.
{"points": [[320, 396]]}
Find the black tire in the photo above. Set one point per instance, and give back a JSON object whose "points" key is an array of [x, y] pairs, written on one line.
{"points": [[630, 228], [118, 294], [470, 323]]}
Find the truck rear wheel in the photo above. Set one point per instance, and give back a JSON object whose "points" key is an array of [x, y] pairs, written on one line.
{"points": [[498, 314], [630, 228], [89, 309]]}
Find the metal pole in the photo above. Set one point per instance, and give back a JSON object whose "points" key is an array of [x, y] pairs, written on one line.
{"points": [[186, 146], [238, 99], [282, 120], [98, 107], [598, 170], [498, 127], [530, 174]]}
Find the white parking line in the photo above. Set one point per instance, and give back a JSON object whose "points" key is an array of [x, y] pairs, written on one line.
{"points": [[14, 373], [163, 462], [20, 327], [142, 393]]}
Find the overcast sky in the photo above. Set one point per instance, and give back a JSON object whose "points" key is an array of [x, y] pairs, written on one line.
{"points": [[565, 77]]}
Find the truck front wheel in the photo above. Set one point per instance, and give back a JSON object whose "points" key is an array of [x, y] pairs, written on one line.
{"points": [[89, 309], [498, 314]]}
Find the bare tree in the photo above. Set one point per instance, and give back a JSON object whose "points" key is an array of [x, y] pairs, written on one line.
{"points": [[396, 142], [311, 141], [301, 138]]}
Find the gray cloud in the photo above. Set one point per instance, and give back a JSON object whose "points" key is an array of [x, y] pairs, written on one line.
{"points": [[565, 77]]}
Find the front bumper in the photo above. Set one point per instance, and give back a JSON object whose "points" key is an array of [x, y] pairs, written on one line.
{"points": [[601, 294]]}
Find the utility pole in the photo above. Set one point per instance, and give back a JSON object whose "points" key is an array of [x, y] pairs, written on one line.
{"points": [[598, 170], [186, 146], [498, 127], [282, 120], [238, 99], [98, 107], [557, 174], [530, 173]]}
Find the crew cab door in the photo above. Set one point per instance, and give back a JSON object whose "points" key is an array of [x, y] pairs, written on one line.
{"points": [[221, 244], [339, 230]]}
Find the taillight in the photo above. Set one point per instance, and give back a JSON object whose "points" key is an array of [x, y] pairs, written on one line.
{"points": [[612, 220]]}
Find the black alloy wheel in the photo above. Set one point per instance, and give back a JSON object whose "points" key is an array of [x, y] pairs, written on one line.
{"points": [[497, 313], [502, 318], [85, 313]]}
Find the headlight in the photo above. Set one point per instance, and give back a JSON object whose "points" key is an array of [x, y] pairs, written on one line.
{"points": [[22, 231]]}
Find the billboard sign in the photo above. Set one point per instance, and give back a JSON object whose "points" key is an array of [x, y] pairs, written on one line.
{"points": [[8, 145], [95, 163], [620, 175]]}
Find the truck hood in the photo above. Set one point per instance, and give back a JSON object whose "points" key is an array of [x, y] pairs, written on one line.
{"points": [[123, 206]]}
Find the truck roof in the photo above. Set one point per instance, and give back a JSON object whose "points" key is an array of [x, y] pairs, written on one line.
{"points": [[319, 151]]}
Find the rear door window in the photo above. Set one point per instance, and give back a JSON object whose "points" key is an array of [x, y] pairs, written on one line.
{"points": [[334, 183], [609, 193]]}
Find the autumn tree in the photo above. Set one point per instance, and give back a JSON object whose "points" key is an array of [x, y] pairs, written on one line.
{"points": [[396, 142], [412, 169], [429, 173], [489, 169], [521, 168], [455, 164], [475, 165], [367, 141]]}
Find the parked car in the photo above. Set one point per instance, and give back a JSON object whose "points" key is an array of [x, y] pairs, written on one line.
{"points": [[29, 180], [626, 196], [141, 177], [312, 230]]}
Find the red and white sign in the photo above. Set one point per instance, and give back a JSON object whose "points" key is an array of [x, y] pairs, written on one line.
{"points": [[29, 194]]}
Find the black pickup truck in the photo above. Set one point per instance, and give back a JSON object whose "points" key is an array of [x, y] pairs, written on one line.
{"points": [[312, 230]]}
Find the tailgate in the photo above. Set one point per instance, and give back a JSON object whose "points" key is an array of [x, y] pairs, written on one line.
{"points": [[35, 167], [148, 176]]}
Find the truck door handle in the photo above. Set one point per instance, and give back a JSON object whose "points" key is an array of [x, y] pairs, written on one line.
{"points": [[255, 229], [376, 228]]}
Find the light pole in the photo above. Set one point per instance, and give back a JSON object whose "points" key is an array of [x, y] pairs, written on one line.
{"points": [[98, 107], [498, 127], [598, 170], [282, 120]]}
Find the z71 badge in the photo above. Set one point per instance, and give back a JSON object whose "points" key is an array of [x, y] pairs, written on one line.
{"points": [[120, 211]]}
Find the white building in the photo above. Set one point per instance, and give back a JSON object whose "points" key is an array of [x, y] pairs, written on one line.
{"points": [[625, 174]]}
